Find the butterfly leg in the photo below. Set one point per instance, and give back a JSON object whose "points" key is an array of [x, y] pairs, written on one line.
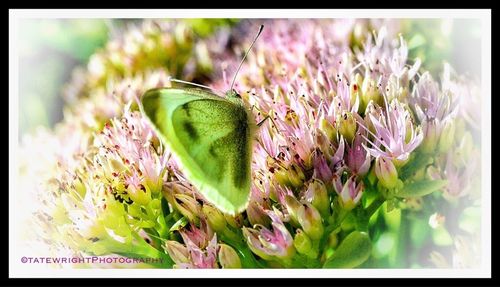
{"points": [[267, 117], [263, 120]]}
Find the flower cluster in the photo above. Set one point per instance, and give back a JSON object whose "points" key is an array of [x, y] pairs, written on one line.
{"points": [[349, 130]]}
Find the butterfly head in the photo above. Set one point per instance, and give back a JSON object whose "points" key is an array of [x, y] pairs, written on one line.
{"points": [[234, 97], [232, 94]]}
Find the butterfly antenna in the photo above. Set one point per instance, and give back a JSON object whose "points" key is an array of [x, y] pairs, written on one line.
{"points": [[246, 54], [170, 79]]}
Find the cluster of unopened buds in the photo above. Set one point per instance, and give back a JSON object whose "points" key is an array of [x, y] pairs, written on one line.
{"points": [[351, 132]]}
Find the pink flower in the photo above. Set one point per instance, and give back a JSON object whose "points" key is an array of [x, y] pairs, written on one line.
{"points": [[350, 192], [128, 159], [381, 59], [199, 249], [394, 136], [269, 243], [357, 158], [321, 168]]}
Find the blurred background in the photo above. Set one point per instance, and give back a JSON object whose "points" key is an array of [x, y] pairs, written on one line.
{"points": [[51, 48]]}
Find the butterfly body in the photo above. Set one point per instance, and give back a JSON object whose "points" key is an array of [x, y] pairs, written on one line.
{"points": [[212, 138]]}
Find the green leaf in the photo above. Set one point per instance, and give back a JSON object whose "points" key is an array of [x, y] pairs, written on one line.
{"points": [[421, 188], [391, 204], [418, 162], [179, 224], [353, 251]]}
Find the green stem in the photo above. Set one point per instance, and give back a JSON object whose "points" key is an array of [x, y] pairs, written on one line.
{"points": [[230, 235], [374, 206], [143, 248], [163, 230], [330, 228], [140, 249]]}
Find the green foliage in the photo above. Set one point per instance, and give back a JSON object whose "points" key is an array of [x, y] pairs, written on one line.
{"points": [[435, 41], [421, 188], [352, 252], [206, 26]]}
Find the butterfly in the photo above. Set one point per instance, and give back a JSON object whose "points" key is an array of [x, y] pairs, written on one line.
{"points": [[211, 136]]}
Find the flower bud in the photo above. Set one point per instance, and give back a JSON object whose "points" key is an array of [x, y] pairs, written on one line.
{"points": [[296, 176], [321, 169], [252, 238], [329, 130], [386, 172], [351, 193], [281, 176], [256, 214], [228, 258], [235, 221], [310, 220], [431, 136], [318, 196], [446, 138], [357, 158], [139, 194], [153, 176], [177, 251], [369, 92], [292, 206], [302, 243], [269, 243], [409, 132], [347, 126], [187, 205], [215, 218], [154, 185]]}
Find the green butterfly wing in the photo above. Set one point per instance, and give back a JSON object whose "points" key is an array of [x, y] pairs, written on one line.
{"points": [[211, 137]]}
